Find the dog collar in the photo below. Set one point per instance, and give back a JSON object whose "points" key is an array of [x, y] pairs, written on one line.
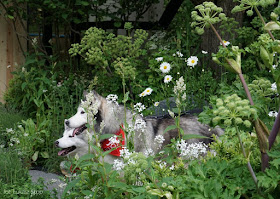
{"points": [[121, 137]]}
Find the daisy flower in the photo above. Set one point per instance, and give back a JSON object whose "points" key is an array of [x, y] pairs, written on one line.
{"points": [[165, 67], [167, 78], [226, 42], [159, 59], [156, 103], [192, 61], [148, 91], [272, 114]]}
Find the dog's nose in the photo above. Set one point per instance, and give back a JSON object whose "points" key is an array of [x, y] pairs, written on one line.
{"points": [[56, 143], [67, 122]]}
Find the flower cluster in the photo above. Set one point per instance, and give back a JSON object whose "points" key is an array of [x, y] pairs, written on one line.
{"points": [[139, 107], [245, 4], [118, 165], [179, 90], [140, 125], [90, 105], [209, 14], [159, 139], [233, 110], [191, 151]]}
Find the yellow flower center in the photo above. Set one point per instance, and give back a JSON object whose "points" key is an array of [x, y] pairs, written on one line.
{"points": [[193, 61], [148, 91], [165, 67], [167, 78]]}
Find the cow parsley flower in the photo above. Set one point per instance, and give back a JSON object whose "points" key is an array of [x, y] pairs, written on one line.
{"points": [[118, 165], [140, 124], [149, 152], [167, 79], [192, 61], [139, 107], [191, 151], [159, 139], [124, 152], [159, 59], [165, 67]]}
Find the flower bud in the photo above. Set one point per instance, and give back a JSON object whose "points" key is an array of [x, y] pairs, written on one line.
{"points": [[273, 16]]}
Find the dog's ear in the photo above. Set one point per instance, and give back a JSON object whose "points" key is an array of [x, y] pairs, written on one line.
{"points": [[66, 127]]}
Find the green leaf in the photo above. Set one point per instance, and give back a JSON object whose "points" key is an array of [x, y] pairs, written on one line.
{"points": [[171, 127], [35, 156], [69, 186], [105, 136], [194, 136], [272, 26], [45, 154]]}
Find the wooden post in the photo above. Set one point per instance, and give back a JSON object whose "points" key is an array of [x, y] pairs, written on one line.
{"points": [[10, 53]]}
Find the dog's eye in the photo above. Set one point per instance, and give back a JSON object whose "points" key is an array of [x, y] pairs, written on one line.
{"points": [[71, 136], [83, 112]]}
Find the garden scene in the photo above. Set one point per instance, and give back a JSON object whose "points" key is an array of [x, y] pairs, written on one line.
{"points": [[140, 99]]}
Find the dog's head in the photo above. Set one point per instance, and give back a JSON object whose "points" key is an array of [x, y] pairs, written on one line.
{"points": [[80, 118], [74, 141]]}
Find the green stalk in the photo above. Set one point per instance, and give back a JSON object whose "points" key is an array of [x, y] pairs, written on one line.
{"points": [[245, 156], [263, 22]]}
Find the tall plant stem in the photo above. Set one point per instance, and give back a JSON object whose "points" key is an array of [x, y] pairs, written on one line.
{"points": [[274, 131], [260, 133], [263, 22], [245, 156]]}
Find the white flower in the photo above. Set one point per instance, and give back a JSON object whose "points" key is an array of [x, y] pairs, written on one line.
{"points": [[139, 107], [165, 67], [226, 43], [149, 152], [118, 165], [148, 91], [180, 86], [59, 84], [162, 165], [179, 54], [9, 130], [156, 103], [191, 151], [143, 94], [172, 167], [272, 114], [274, 86], [159, 139], [167, 78], [112, 98], [274, 66], [9, 66], [140, 125], [159, 59], [44, 91], [130, 161], [11, 144], [204, 52], [192, 61], [124, 152]]}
